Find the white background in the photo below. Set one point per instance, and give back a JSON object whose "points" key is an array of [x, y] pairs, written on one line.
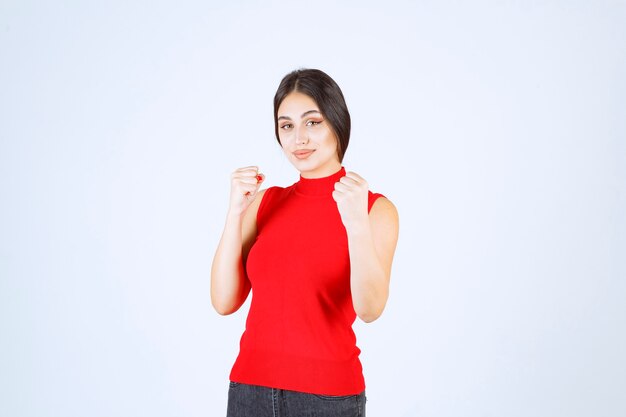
{"points": [[496, 127]]}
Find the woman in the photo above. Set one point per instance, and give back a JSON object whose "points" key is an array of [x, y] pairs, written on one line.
{"points": [[316, 254]]}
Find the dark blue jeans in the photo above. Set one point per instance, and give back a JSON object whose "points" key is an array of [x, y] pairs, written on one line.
{"points": [[254, 401]]}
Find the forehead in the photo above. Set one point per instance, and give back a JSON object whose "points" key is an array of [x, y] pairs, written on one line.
{"points": [[296, 103]]}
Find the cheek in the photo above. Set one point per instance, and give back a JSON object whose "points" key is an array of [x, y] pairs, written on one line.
{"points": [[322, 136], [286, 144], [330, 141]]}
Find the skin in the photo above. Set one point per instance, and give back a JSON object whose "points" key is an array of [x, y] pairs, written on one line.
{"points": [[310, 145]]}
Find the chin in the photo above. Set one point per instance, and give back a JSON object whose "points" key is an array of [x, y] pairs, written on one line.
{"points": [[310, 164], [303, 164], [301, 168]]}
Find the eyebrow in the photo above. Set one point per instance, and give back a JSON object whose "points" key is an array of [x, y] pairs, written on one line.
{"points": [[306, 113]]}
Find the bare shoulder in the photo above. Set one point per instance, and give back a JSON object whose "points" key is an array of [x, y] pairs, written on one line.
{"points": [[384, 224], [384, 210]]}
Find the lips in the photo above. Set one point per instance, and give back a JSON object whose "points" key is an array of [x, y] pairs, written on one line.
{"points": [[303, 153]]}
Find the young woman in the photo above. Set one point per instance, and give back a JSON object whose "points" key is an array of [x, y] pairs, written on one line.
{"points": [[315, 254]]}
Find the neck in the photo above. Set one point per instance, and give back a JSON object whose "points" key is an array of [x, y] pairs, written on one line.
{"points": [[323, 171], [320, 186]]}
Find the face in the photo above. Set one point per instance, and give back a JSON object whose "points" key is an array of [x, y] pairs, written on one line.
{"points": [[306, 137]]}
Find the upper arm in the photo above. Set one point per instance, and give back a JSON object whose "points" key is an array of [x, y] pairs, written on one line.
{"points": [[384, 224]]}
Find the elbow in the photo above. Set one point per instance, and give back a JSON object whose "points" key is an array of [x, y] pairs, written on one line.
{"points": [[227, 302], [370, 314], [223, 309], [368, 317], [369, 310]]}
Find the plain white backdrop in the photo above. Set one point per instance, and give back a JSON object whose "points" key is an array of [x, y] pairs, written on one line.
{"points": [[496, 127]]}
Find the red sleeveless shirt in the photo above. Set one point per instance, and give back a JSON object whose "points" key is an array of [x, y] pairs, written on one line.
{"points": [[298, 332]]}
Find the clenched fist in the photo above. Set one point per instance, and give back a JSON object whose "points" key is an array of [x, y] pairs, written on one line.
{"points": [[244, 184], [351, 195]]}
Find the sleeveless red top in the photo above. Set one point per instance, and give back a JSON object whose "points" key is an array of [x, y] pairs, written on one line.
{"points": [[298, 332]]}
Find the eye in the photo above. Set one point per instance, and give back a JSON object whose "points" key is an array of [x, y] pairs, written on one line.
{"points": [[313, 122], [286, 126]]}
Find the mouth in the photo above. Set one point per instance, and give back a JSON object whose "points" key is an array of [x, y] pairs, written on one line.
{"points": [[303, 153]]}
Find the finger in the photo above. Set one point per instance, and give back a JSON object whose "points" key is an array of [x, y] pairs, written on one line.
{"points": [[248, 188], [356, 177], [250, 168], [258, 179], [249, 174], [348, 181], [340, 187], [247, 171], [246, 180], [252, 193], [249, 179]]}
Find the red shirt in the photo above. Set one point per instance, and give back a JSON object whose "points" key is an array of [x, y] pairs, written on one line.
{"points": [[299, 328]]}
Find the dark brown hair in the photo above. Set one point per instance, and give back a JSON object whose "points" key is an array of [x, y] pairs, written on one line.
{"points": [[326, 94]]}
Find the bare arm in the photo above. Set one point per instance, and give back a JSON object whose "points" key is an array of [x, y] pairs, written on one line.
{"points": [[372, 246], [372, 242], [229, 283]]}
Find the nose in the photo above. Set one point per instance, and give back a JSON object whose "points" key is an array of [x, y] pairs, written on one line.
{"points": [[301, 137]]}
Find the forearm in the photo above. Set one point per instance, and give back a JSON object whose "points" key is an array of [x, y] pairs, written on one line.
{"points": [[229, 285], [369, 281]]}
